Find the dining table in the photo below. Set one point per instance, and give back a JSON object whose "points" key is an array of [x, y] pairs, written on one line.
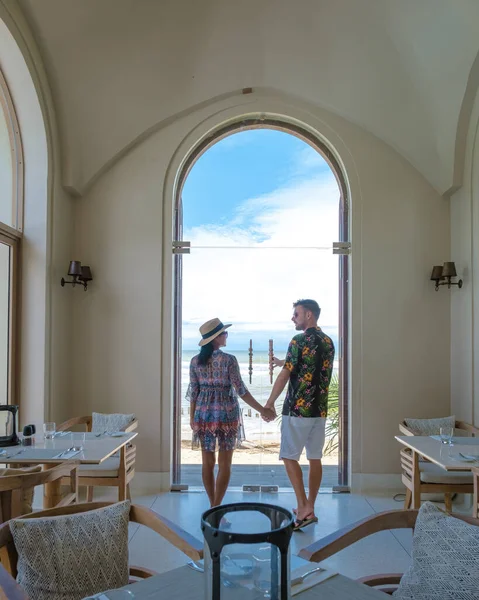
{"points": [[185, 583], [87, 448], [460, 455]]}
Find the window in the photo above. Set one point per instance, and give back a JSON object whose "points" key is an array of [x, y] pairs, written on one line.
{"points": [[11, 223]]}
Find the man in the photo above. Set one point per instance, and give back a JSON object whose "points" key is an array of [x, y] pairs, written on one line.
{"points": [[307, 368]]}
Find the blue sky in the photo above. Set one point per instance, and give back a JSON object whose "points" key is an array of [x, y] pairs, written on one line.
{"points": [[245, 165], [273, 201]]}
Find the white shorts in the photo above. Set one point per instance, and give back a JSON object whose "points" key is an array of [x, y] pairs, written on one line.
{"points": [[298, 433]]}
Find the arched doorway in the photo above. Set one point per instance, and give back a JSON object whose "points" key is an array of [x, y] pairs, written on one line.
{"points": [[331, 249]]}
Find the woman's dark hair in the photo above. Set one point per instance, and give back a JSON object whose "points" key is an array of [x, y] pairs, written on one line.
{"points": [[205, 353]]}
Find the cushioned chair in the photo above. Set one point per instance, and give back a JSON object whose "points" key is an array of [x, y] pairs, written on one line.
{"points": [[475, 502], [420, 476], [116, 471], [395, 519], [175, 535], [17, 487]]}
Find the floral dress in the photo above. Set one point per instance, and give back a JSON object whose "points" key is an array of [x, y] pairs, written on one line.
{"points": [[214, 389]]}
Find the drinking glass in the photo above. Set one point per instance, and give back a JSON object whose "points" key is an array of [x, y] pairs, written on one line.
{"points": [[49, 430], [446, 433]]}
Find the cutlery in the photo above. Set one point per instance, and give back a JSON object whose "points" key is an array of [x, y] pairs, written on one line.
{"points": [[199, 568], [195, 566], [301, 578], [12, 455], [72, 449], [469, 456]]}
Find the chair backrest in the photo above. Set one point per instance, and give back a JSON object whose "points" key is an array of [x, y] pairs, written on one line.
{"points": [[462, 426], [87, 421], [475, 500], [75, 421], [392, 519], [174, 534], [13, 488]]}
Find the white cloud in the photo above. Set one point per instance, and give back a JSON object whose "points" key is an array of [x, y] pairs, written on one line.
{"points": [[275, 261]]}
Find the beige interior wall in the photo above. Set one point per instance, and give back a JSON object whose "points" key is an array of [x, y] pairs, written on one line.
{"points": [[45, 311], [465, 302], [400, 326]]}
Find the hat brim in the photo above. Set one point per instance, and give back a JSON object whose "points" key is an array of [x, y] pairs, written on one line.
{"points": [[212, 337]]}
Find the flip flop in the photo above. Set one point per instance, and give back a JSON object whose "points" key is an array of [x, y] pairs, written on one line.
{"points": [[300, 523]]}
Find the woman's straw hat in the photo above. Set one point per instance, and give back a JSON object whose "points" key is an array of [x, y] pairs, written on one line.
{"points": [[212, 329]]}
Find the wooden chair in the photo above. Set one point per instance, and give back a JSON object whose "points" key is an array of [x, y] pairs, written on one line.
{"points": [[114, 471], [467, 428], [475, 501], [394, 519], [420, 476], [174, 534], [13, 487]]}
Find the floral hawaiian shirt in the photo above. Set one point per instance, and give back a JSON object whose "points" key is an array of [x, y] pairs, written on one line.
{"points": [[310, 360]]}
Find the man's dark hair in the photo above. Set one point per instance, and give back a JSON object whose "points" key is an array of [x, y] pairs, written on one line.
{"points": [[311, 305]]}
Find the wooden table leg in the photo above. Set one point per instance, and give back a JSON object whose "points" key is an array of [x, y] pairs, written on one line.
{"points": [[52, 490]]}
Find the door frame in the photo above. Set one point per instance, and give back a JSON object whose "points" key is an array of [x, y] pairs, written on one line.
{"points": [[344, 324]]}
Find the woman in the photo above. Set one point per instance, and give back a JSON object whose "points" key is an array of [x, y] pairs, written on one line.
{"points": [[215, 416]]}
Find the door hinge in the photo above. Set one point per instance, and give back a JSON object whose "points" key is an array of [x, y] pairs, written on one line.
{"points": [[341, 247], [181, 247]]}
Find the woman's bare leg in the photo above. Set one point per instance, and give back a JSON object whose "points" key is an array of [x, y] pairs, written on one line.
{"points": [[224, 472], [207, 473]]}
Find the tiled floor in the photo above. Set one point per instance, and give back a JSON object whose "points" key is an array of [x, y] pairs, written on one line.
{"points": [[385, 552]]}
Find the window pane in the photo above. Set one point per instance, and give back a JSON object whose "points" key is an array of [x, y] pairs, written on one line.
{"points": [[4, 320], [6, 170]]}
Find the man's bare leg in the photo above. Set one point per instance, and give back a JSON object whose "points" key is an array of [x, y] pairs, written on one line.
{"points": [[207, 473], [295, 474], [315, 477]]}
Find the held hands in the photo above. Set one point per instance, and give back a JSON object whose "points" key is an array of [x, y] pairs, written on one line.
{"points": [[268, 413], [277, 362]]}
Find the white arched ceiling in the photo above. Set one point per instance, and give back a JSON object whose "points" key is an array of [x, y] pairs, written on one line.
{"points": [[399, 69]]}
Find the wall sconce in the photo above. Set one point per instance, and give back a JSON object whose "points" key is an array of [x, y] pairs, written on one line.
{"points": [[447, 271], [81, 274]]}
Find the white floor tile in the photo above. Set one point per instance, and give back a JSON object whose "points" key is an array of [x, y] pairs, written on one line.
{"points": [[379, 553], [383, 552]]}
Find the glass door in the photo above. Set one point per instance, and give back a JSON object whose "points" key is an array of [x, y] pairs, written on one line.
{"points": [[250, 294], [8, 247]]}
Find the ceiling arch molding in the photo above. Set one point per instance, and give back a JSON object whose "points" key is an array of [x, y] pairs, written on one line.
{"points": [[465, 114]]}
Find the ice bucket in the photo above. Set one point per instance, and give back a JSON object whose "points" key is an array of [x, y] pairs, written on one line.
{"points": [[247, 551]]}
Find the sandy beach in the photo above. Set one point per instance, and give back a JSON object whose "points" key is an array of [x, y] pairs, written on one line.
{"points": [[250, 454]]}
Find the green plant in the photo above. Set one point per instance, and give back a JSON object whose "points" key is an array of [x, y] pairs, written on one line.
{"points": [[332, 422]]}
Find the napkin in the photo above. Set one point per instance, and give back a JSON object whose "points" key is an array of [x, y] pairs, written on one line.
{"points": [[311, 580]]}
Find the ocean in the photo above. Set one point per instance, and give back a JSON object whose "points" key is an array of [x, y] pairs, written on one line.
{"points": [[260, 387]]}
